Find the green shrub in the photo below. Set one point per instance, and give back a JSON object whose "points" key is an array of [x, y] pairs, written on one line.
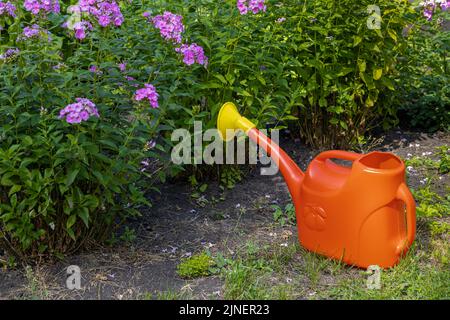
{"points": [[65, 184], [423, 96], [322, 65]]}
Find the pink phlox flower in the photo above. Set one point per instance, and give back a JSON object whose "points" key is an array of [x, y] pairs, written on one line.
{"points": [[79, 111], [170, 26], [149, 93], [193, 53]]}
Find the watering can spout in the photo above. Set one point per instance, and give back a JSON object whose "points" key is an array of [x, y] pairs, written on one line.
{"points": [[229, 120]]}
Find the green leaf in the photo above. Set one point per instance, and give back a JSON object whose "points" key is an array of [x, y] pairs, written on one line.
{"points": [[370, 102], [393, 35], [71, 221], [357, 40], [221, 78], [6, 181], [377, 73], [203, 187], [84, 215], [71, 176], [343, 125], [71, 234], [362, 65], [225, 58], [344, 72], [15, 188]]}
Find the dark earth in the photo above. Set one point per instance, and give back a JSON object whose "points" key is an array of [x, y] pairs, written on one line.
{"points": [[177, 226]]}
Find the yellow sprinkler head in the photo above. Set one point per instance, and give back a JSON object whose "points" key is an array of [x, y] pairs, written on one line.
{"points": [[229, 118]]}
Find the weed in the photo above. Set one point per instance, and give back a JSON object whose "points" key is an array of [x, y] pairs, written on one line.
{"points": [[229, 176], [286, 216], [196, 266], [441, 251], [444, 159], [314, 266], [35, 287], [422, 162], [439, 228], [128, 236], [431, 205]]}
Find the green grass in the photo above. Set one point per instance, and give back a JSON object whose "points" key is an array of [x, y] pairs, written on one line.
{"points": [[262, 275], [414, 278], [259, 272]]}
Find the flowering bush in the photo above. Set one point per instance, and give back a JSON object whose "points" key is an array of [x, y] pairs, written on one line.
{"points": [[7, 8], [73, 137]]}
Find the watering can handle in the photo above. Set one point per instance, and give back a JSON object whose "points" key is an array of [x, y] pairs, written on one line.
{"points": [[338, 154], [405, 195]]}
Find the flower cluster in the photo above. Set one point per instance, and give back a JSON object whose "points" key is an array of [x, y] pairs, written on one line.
{"points": [[30, 32], [96, 70], [254, 6], [170, 26], [122, 66], [149, 93], [9, 54], [193, 53], [46, 6], [79, 111], [7, 8], [80, 29], [105, 11], [35, 31], [430, 7]]}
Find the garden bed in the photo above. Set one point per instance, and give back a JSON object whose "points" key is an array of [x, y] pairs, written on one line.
{"points": [[255, 256]]}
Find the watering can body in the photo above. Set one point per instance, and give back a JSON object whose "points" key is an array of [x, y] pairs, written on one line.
{"points": [[362, 215], [356, 214]]}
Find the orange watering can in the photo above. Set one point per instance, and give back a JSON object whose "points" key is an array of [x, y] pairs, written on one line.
{"points": [[356, 215]]}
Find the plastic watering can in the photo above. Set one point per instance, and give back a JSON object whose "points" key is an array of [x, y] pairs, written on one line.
{"points": [[354, 214]]}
